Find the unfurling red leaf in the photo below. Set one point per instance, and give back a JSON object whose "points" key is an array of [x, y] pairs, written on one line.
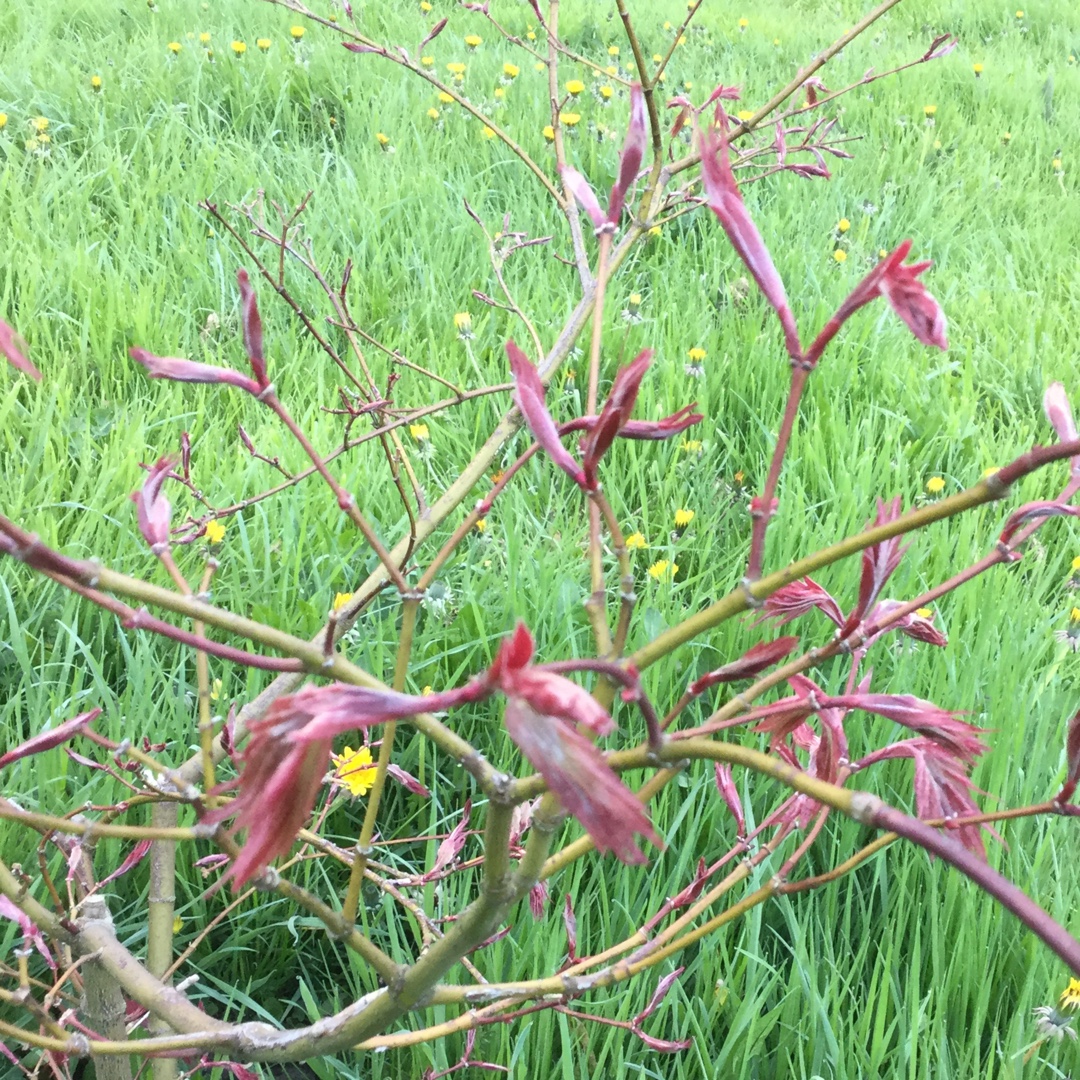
{"points": [[570, 922], [725, 782], [614, 415], [48, 739], [1059, 412], [662, 988], [153, 508], [252, 323], [538, 898], [545, 692], [797, 599], [942, 787], [760, 657], [451, 847], [583, 782], [529, 397], [179, 370], [957, 737], [13, 349], [580, 189], [726, 202], [878, 563], [434, 32], [1033, 511], [633, 153], [135, 856], [906, 295]]}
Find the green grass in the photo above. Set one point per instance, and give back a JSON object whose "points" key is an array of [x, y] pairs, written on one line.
{"points": [[901, 969]]}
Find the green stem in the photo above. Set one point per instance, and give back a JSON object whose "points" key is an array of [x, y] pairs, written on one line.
{"points": [[367, 829]]}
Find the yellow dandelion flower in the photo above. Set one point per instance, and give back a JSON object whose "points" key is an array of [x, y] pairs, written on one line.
{"points": [[433, 114], [177, 924], [95, 82], [688, 85], [925, 612], [204, 38], [174, 47], [511, 71], [340, 600], [1006, 136], [383, 140], [668, 26], [987, 473], [445, 98], [427, 61], [683, 518], [744, 23], [263, 43], [215, 690], [456, 67], [354, 770], [882, 253], [739, 477], [481, 525], [575, 86], [531, 35], [696, 354], [44, 139], [463, 322], [657, 58], [1076, 563], [929, 110], [1020, 14], [745, 114], [776, 41], [297, 32], [611, 70], [1070, 996], [1056, 164], [215, 532], [978, 69], [636, 541], [425, 6], [935, 485], [474, 41], [655, 231], [691, 446], [540, 65], [606, 92], [569, 118], [419, 432], [1074, 615], [239, 48], [843, 224], [613, 50], [549, 133], [487, 132], [3, 120], [662, 568], [840, 255]]}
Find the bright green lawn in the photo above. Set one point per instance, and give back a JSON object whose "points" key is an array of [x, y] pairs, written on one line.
{"points": [[901, 969]]}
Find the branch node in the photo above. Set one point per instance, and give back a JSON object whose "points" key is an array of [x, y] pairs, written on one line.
{"points": [[865, 807], [267, 881], [747, 590]]}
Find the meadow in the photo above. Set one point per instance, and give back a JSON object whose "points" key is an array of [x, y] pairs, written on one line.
{"points": [[899, 969]]}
